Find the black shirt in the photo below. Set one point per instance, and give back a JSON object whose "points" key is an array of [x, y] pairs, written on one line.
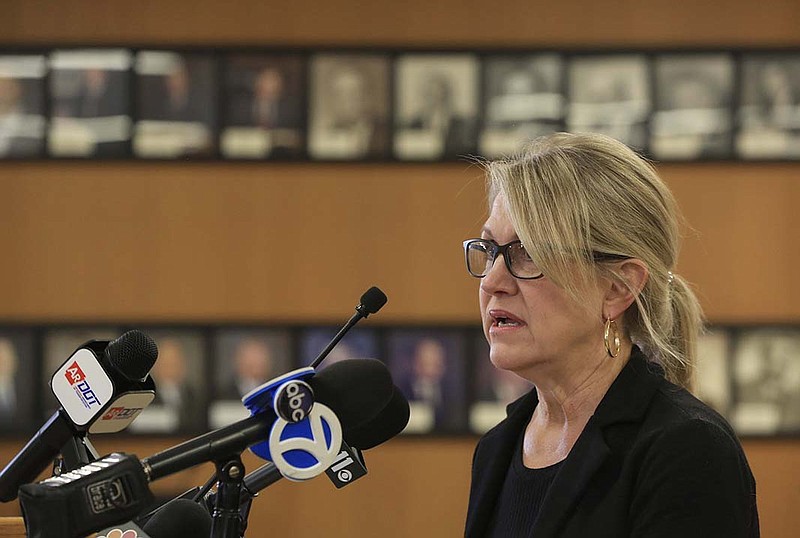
{"points": [[521, 497]]}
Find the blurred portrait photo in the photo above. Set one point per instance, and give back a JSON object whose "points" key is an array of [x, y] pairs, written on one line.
{"points": [[428, 367], [18, 384], [436, 110], [181, 388], [769, 113], [713, 370], [245, 359], [356, 344], [177, 105], [90, 103], [766, 370], [264, 107], [610, 94], [523, 99], [349, 107], [693, 116], [22, 118], [492, 388]]}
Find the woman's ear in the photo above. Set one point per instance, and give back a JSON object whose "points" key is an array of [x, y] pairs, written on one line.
{"points": [[622, 293]]}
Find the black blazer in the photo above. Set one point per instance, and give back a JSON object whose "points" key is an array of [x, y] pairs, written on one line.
{"points": [[653, 461]]}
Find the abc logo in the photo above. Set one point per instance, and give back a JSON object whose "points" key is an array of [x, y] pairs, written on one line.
{"points": [[345, 475], [294, 400]]}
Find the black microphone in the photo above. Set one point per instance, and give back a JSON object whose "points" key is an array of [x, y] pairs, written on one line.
{"points": [[355, 389], [391, 420], [387, 423], [99, 494], [372, 301], [179, 518], [102, 388]]}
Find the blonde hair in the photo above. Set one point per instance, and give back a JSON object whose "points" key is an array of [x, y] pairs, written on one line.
{"points": [[571, 196]]}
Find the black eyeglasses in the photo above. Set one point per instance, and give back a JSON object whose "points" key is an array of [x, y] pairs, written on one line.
{"points": [[481, 254]]}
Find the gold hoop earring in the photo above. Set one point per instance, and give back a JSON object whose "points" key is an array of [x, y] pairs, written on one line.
{"points": [[611, 338]]}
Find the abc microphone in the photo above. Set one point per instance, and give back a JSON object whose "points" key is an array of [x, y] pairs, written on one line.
{"points": [[355, 390], [102, 387], [389, 422]]}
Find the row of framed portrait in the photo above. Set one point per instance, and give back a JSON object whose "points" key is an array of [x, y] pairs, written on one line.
{"points": [[373, 105], [749, 374]]}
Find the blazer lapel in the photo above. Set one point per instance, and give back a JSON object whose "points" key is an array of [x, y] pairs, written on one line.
{"points": [[492, 460], [590, 451]]}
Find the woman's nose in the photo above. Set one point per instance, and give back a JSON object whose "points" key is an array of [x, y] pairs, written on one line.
{"points": [[498, 279]]}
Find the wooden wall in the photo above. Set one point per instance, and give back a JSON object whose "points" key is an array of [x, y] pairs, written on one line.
{"points": [[185, 242]]}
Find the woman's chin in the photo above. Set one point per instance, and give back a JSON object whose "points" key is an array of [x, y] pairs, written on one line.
{"points": [[509, 359]]}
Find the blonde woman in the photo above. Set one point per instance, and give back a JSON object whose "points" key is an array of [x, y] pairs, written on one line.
{"points": [[578, 295]]}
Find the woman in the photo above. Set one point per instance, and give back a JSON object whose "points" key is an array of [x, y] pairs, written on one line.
{"points": [[610, 443]]}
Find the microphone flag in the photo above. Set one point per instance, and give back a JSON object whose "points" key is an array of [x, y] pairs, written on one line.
{"points": [[303, 450]]}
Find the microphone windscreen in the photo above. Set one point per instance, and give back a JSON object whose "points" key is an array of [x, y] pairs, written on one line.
{"points": [[355, 389], [181, 518], [133, 354], [373, 300], [391, 420]]}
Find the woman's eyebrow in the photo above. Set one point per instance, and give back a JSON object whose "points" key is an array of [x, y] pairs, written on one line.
{"points": [[486, 232]]}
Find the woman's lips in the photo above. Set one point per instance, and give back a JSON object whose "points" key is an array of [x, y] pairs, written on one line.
{"points": [[504, 321]]}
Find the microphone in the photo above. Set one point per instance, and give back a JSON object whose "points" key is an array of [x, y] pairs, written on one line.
{"points": [[102, 388], [355, 390], [387, 423], [372, 301], [349, 465], [180, 518], [102, 493], [114, 489]]}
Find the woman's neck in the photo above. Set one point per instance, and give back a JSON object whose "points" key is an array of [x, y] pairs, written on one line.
{"points": [[567, 401]]}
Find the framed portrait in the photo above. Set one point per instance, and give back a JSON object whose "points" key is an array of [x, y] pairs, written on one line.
{"points": [[357, 344], [349, 106], [22, 106], [180, 374], [492, 388], [264, 106], [713, 371], [436, 106], [766, 377], [523, 98], [244, 359], [59, 344], [429, 368], [693, 117], [90, 104], [769, 108], [610, 94], [19, 387], [176, 105]]}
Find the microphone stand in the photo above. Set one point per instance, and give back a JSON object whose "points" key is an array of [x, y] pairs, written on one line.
{"points": [[227, 522], [231, 508], [76, 453]]}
